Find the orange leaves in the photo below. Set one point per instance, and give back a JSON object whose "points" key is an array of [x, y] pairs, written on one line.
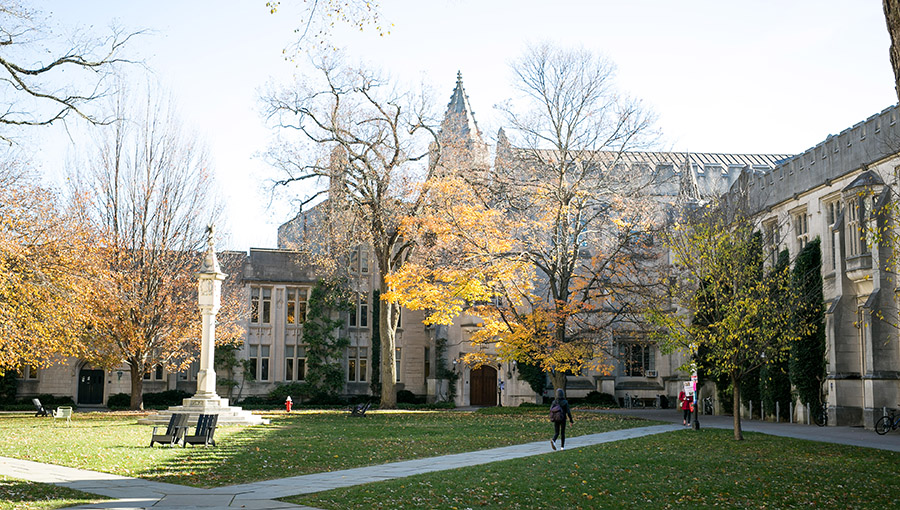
{"points": [[45, 258]]}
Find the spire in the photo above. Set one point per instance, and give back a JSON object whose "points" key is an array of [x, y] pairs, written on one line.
{"points": [[688, 191], [459, 121]]}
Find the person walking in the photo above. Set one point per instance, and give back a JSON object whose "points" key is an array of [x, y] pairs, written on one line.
{"points": [[559, 410], [686, 401]]}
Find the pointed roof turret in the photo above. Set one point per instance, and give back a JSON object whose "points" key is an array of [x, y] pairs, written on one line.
{"points": [[459, 121]]}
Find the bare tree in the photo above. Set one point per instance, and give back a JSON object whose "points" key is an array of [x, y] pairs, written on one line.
{"points": [[148, 191], [318, 18], [587, 211], [44, 79], [892, 18], [370, 142]]}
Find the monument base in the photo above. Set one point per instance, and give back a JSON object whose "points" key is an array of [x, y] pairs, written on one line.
{"points": [[194, 407]]}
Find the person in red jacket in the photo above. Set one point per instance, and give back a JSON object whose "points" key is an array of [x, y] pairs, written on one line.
{"points": [[685, 401]]}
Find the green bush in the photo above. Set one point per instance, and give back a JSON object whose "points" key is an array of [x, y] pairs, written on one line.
{"points": [[429, 407], [600, 399], [48, 400], [166, 398], [294, 390], [119, 401], [408, 397]]}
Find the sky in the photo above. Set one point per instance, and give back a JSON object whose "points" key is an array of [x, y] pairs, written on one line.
{"points": [[768, 76]]}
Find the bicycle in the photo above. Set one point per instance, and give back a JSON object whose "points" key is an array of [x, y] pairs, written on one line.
{"points": [[887, 423]]}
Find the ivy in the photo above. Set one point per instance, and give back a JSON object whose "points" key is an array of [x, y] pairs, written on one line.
{"points": [[444, 372], [375, 383], [807, 364], [534, 376], [774, 381], [324, 348]]}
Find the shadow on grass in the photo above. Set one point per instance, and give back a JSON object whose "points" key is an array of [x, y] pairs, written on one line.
{"points": [[22, 494]]}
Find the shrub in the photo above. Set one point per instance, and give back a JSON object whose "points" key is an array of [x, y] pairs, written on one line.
{"points": [[600, 399], [166, 398], [119, 401], [429, 407], [294, 390], [408, 397]]}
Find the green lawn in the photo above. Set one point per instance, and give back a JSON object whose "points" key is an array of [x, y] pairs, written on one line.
{"points": [[23, 495], [292, 445], [684, 469]]}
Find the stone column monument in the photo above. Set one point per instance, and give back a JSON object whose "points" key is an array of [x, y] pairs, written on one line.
{"points": [[206, 400], [209, 298]]}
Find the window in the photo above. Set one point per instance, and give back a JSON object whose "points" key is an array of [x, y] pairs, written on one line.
{"points": [[397, 365], [427, 363], [357, 363], [832, 209], [801, 229], [296, 306], [359, 314], [359, 260], [259, 362], [856, 240], [636, 359], [154, 374], [294, 363], [260, 305], [772, 239], [27, 372]]}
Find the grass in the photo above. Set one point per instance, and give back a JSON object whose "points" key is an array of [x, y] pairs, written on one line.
{"points": [[24, 495], [683, 469], [293, 445]]}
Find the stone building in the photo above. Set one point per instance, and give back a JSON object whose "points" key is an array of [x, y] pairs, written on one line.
{"points": [[840, 191]]}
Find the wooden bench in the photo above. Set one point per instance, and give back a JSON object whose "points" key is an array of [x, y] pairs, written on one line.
{"points": [[41, 410], [174, 431], [360, 409], [63, 412], [205, 433]]}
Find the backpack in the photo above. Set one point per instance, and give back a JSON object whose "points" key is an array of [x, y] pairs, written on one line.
{"points": [[556, 413]]}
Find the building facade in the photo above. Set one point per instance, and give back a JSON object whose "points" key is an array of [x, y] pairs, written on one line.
{"points": [[842, 191]]}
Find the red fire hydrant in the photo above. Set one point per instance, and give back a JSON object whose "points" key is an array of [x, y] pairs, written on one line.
{"points": [[287, 403]]}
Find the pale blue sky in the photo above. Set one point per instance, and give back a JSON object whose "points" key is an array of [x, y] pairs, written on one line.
{"points": [[763, 76]]}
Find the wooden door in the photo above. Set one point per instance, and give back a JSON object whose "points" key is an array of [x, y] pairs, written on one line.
{"points": [[90, 387], [483, 386]]}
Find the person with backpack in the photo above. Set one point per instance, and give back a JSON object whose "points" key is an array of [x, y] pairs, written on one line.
{"points": [[559, 410]]}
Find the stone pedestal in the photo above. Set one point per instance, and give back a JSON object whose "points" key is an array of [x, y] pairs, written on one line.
{"points": [[228, 415], [206, 401]]}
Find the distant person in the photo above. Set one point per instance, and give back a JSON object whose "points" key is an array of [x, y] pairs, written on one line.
{"points": [[685, 401], [559, 410]]}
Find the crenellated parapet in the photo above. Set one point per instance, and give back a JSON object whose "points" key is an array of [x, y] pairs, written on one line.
{"points": [[853, 149]]}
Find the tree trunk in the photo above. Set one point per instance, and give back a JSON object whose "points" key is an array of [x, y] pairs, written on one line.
{"points": [[388, 353], [559, 381], [137, 387], [736, 409]]}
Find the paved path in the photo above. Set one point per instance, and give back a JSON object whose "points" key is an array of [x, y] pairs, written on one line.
{"points": [[853, 436], [134, 493]]}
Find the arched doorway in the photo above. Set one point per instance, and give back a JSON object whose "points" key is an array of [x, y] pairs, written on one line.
{"points": [[90, 387], [483, 386]]}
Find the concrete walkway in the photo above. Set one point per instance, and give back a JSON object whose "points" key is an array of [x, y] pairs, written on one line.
{"points": [[852, 436], [134, 493]]}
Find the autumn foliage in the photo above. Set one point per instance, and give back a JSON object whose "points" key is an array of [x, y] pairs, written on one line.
{"points": [[46, 273]]}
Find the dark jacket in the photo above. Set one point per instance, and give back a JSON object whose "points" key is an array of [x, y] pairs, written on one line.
{"points": [[564, 405]]}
